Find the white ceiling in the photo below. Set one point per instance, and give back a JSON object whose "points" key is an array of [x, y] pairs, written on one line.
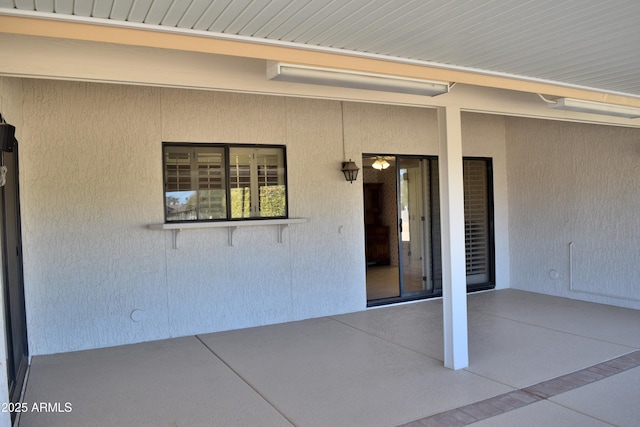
{"points": [[586, 43]]}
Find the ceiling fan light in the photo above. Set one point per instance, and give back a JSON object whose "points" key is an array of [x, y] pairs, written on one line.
{"points": [[380, 164]]}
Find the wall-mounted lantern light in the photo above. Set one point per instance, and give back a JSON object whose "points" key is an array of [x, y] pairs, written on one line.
{"points": [[350, 171]]}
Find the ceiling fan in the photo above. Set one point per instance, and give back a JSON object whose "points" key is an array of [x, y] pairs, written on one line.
{"points": [[381, 162]]}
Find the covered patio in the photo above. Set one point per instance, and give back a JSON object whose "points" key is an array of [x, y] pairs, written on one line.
{"points": [[262, 319], [534, 360]]}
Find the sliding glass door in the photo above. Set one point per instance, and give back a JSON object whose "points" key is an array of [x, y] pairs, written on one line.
{"points": [[402, 227], [413, 225], [478, 223]]}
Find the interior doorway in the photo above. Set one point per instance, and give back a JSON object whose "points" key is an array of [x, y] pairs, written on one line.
{"points": [[402, 227]]}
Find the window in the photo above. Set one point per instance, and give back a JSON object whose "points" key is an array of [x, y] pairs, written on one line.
{"points": [[208, 182]]}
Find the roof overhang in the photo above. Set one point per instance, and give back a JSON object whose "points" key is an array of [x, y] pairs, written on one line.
{"points": [[89, 29]]}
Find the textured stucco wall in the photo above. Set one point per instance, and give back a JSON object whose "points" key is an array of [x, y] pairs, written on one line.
{"points": [[574, 183], [92, 181], [90, 184]]}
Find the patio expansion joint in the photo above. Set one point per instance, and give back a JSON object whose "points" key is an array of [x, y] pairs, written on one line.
{"points": [[516, 399], [630, 347], [385, 340], [244, 380]]}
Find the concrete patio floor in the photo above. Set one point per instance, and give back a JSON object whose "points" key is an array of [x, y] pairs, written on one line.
{"points": [[535, 360]]}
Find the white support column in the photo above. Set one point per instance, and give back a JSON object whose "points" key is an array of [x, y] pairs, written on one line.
{"points": [[454, 286]]}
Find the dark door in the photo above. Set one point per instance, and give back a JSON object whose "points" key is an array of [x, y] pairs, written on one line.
{"points": [[17, 351]]}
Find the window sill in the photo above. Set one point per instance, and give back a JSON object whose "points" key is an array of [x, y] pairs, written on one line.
{"points": [[231, 226]]}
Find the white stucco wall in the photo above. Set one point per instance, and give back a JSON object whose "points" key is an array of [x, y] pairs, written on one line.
{"points": [[576, 183], [92, 181]]}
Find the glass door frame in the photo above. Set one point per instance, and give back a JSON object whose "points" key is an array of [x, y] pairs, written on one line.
{"points": [[431, 241], [427, 246], [427, 200]]}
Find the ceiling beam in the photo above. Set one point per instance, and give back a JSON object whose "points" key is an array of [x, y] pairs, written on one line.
{"points": [[215, 44]]}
